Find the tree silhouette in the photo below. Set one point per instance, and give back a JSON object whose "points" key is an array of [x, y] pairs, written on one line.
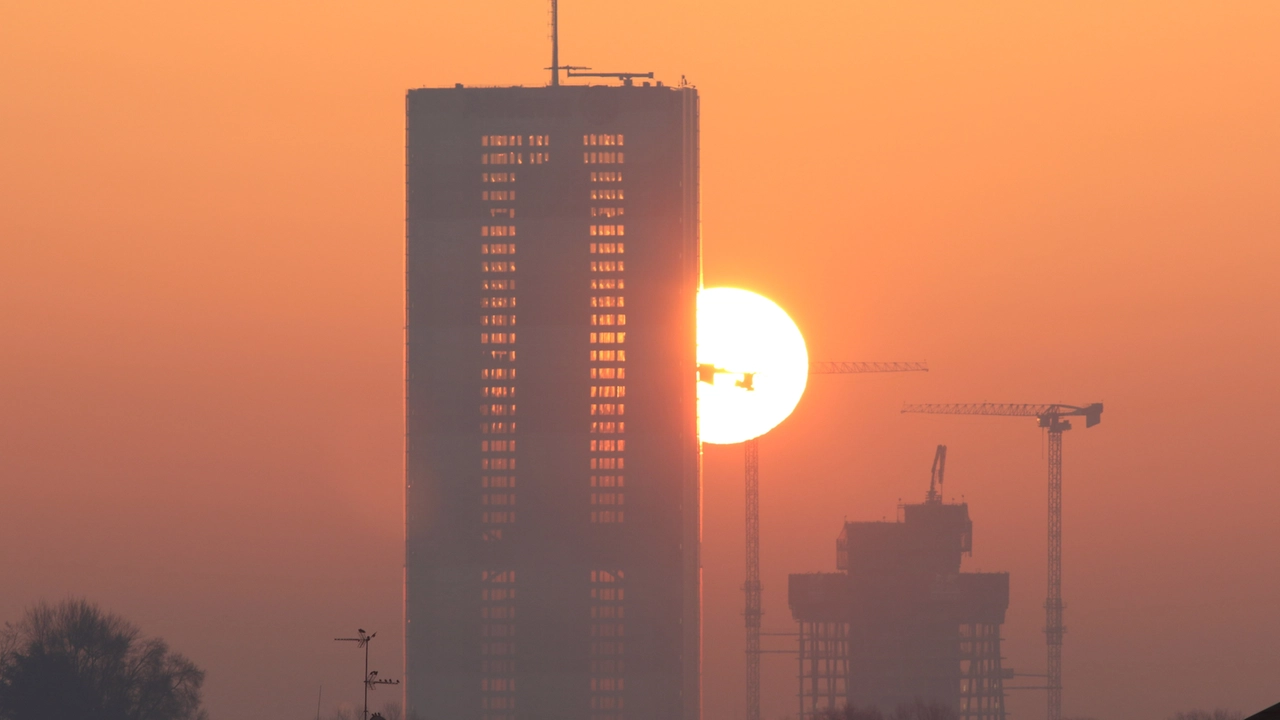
{"points": [[919, 710], [72, 661]]}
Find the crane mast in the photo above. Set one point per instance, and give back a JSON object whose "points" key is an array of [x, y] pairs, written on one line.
{"points": [[752, 587], [1052, 417]]}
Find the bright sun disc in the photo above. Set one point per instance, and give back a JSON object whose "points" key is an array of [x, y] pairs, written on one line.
{"points": [[746, 339]]}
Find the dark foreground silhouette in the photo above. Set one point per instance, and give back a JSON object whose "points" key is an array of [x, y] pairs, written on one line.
{"points": [[72, 661]]}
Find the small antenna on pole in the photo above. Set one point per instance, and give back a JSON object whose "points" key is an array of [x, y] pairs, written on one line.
{"points": [[555, 45]]}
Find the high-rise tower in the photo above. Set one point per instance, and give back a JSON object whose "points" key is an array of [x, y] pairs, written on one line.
{"points": [[552, 476]]}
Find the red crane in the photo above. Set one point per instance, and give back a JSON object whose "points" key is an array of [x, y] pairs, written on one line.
{"points": [[752, 587], [1053, 418]]}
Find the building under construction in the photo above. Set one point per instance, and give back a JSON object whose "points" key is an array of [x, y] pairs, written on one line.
{"points": [[899, 623]]}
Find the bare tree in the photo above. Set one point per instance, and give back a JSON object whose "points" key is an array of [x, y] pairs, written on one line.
{"points": [[72, 661], [1218, 714], [851, 712], [392, 711]]}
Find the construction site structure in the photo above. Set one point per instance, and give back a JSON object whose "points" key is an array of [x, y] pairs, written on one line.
{"points": [[1053, 418], [900, 623]]}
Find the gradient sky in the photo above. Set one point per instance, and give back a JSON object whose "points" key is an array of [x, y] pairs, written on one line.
{"points": [[201, 278]]}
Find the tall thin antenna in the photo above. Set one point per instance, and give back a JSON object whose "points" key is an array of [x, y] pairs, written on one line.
{"points": [[555, 45]]}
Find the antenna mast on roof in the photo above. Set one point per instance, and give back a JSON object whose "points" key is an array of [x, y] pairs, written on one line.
{"points": [[555, 46]]}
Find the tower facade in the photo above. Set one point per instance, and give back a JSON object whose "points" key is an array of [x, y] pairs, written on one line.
{"points": [[552, 471]]}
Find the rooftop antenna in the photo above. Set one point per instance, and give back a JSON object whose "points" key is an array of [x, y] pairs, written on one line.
{"points": [[555, 45], [363, 642]]}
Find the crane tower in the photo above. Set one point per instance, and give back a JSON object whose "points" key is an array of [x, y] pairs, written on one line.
{"points": [[1053, 418]]}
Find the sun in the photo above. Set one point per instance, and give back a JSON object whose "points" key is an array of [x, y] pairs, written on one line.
{"points": [[752, 365]]}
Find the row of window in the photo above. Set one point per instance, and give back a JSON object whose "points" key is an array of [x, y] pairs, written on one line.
{"points": [[497, 338], [497, 320], [609, 356], [608, 481], [497, 446], [607, 211], [497, 391], [603, 139], [608, 266], [497, 410], [498, 231], [514, 140], [608, 409], [497, 302], [498, 248], [603, 158], [608, 338], [608, 373], [502, 177], [497, 463], [502, 212], [610, 176], [498, 195], [497, 481], [607, 427], [507, 284], [608, 446], [607, 301], [608, 194], [498, 373], [613, 391], [609, 319]]}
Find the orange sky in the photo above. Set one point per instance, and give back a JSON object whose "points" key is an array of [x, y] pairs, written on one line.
{"points": [[201, 246]]}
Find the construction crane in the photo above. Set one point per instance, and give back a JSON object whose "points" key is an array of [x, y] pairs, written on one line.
{"points": [[752, 587], [936, 474], [1052, 418]]}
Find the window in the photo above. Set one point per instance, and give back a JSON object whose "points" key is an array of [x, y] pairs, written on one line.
{"points": [[613, 391], [608, 284], [602, 139], [497, 302], [612, 176], [497, 373], [608, 409], [605, 319], [498, 177], [539, 140], [608, 266], [608, 446], [497, 267], [497, 446], [608, 373], [607, 481], [498, 499], [607, 301], [539, 158], [608, 355], [498, 195], [502, 355], [498, 231], [499, 285], [610, 463], [498, 410], [497, 463], [498, 249], [498, 391], [608, 338], [497, 338], [607, 212], [498, 320], [502, 212], [498, 481], [611, 194], [501, 140], [609, 427]]}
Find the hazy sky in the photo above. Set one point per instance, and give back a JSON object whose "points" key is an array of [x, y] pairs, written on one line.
{"points": [[201, 278]]}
